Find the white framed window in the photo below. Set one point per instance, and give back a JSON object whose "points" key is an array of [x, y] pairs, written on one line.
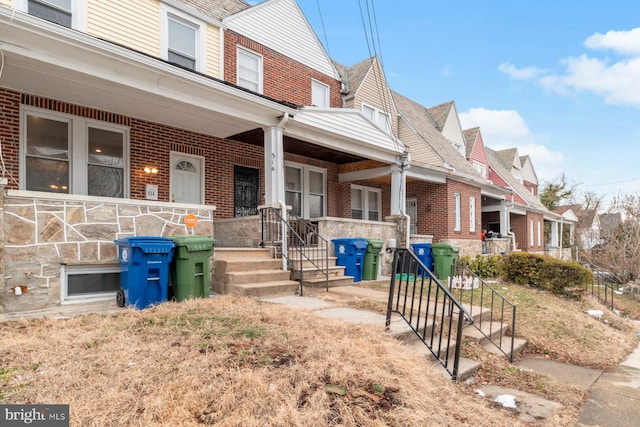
{"points": [[306, 190], [481, 168], [89, 282], [319, 94], [531, 234], [68, 13], [366, 203], [183, 39], [472, 214], [412, 211], [377, 116], [456, 212], [539, 233], [249, 70], [61, 153]]}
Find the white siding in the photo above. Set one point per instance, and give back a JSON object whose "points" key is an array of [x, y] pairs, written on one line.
{"points": [[421, 152], [282, 27], [453, 131], [135, 24]]}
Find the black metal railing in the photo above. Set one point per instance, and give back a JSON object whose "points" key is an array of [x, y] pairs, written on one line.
{"points": [[603, 287], [489, 308], [302, 247], [428, 307]]}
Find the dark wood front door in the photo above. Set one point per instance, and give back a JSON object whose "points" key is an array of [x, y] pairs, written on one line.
{"points": [[246, 190]]}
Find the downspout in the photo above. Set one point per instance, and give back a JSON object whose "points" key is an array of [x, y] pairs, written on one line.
{"points": [[283, 206], [403, 206]]}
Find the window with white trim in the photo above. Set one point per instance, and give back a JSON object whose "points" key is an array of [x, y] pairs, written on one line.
{"points": [[412, 211], [183, 39], [73, 155], [472, 214], [319, 94], [377, 116], [68, 13], [306, 190], [84, 282], [539, 233], [249, 70], [531, 234], [481, 168], [366, 203], [456, 212]]}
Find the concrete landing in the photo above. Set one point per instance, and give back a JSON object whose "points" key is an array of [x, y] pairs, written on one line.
{"points": [[529, 407], [563, 372]]}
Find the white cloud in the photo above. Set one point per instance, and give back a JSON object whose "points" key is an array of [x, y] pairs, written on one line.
{"points": [[502, 129], [525, 73], [622, 42], [616, 81]]}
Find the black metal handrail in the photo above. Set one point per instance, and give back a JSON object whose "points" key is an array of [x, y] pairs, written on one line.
{"points": [[428, 308], [276, 231], [603, 286], [490, 309]]}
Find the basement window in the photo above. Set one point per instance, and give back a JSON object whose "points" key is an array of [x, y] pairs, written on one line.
{"points": [[89, 282]]}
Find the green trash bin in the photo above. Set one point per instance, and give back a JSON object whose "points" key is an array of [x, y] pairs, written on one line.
{"points": [[371, 259], [191, 267], [445, 257]]}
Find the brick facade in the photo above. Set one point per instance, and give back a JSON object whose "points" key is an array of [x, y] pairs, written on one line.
{"points": [[436, 209], [283, 78]]}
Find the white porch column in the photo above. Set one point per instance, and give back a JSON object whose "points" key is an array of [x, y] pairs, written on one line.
{"points": [[554, 234], [273, 165], [398, 191], [504, 218]]}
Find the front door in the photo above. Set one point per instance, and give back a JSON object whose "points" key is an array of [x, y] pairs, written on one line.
{"points": [[246, 190], [186, 178]]}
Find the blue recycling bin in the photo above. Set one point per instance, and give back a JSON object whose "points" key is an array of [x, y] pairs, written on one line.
{"points": [[144, 270], [350, 254], [424, 254]]}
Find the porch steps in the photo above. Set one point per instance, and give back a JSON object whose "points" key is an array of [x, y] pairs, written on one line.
{"points": [[311, 275], [251, 272]]}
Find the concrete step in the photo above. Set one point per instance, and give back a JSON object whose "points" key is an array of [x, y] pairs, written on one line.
{"points": [[518, 346], [312, 262], [313, 273], [284, 287], [400, 330], [241, 253], [256, 276], [334, 282], [466, 367], [248, 264], [491, 331]]}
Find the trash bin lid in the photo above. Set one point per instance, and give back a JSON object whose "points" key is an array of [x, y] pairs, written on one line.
{"points": [[374, 243], [149, 244], [194, 243]]}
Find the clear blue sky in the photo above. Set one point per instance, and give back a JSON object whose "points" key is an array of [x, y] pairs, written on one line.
{"points": [[559, 79]]}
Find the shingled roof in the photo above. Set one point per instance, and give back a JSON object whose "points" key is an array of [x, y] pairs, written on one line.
{"points": [[440, 113], [503, 168], [470, 137], [217, 9], [353, 76], [419, 118]]}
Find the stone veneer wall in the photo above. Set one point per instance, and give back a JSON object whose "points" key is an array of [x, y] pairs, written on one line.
{"points": [[43, 232], [338, 228], [245, 232], [467, 247]]}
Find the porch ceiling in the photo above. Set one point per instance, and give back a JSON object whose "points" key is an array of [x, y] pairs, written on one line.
{"points": [[45, 59], [299, 147]]}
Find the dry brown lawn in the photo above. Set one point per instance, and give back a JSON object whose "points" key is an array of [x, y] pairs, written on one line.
{"points": [[230, 362], [234, 361]]}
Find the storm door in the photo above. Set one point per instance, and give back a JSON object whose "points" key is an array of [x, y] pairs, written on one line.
{"points": [[246, 190]]}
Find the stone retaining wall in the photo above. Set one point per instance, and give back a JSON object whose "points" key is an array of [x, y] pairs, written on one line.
{"points": [[244, 232], [44, 232]]}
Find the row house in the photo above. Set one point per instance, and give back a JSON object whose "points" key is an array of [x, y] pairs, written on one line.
{"points": [[120, 118]]}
